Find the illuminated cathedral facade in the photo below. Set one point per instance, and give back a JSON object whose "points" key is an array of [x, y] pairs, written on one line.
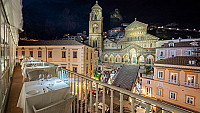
{"points": [[136, 47]]}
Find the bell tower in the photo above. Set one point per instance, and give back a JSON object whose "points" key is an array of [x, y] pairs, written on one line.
{"points": [[96, 28]]}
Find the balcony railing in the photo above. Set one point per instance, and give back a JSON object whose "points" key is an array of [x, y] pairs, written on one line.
{"points": [[147, 76], [173, 81], [82, 88], [192, 85]]}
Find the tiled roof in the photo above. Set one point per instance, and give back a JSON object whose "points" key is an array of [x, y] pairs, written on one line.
{"points": [[181, 60], [182, 44], [49, 42]]}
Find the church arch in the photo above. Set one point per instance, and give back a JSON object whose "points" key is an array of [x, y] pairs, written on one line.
{"points": [[117, 59], [150, 59], [140, 59], [124, 59], [132, 56], [106, 58], [111, 59]]}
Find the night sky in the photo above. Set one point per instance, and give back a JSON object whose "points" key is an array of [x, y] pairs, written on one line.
{"points": [[48, 19]]}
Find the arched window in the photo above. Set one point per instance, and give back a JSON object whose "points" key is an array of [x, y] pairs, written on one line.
{"points": [[95, 17]]}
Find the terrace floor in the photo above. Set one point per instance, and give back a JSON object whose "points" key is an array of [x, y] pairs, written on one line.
{"points": [[15, 92]]}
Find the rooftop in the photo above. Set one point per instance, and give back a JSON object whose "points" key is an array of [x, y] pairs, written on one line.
{"points": [[182, 44], [49, 42], [181, 60]]}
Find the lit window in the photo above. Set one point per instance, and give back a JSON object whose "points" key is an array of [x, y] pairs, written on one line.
{"points": [[190, 100], [174, 78], [160, 74], [173, 95], [160, 92]]}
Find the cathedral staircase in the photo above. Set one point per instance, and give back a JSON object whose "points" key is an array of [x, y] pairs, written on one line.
{"points": [[126, 76]]}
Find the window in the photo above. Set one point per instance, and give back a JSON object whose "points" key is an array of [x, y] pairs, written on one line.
{"points": [[23, 53], [173, 95], [87, 55], [160, 84], [191, 62], [75, 69], [148, 91], [190, 53], [171, 45], [91, 54], [63, 54], [162, 53], [86, 68], [150, 44], [64, 67], [148, 82], [39, 53], [191, 80], [91, 67], [172, 53], [49, 54], [16, 53], [173, 78], [190, 100], [74, 54], [160, 74], [160, 92], [31, 53]]}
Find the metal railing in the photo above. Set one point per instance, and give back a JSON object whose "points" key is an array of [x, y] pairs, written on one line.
{"points": [[82, 88], [171, 81], [192, 85]]}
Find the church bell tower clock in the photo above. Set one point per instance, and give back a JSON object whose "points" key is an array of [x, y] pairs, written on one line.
{"points": [[96, 28]]}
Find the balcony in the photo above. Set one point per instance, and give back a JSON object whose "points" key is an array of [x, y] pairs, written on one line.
{"points": [[173, 82], [192, 85], [94, 96], [147, 76]]}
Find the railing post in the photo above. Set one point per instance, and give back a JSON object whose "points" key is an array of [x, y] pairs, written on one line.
{"points": [[81, 94], [133, 104], [121, 102], [74, 84], [78, 94], [147, 108], [111, 100], [103, 109], [90, 96], [96, 107], [74, 92], [85, 95]]}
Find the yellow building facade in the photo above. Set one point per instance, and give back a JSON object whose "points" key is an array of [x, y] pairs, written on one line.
{"points": [[68, 54]]}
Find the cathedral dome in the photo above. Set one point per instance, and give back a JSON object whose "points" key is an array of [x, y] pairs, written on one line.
{"points": [[96, 6]]}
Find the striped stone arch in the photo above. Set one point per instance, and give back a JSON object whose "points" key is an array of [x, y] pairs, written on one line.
{"points": [[106, 58], [150, 59], [117, 59], [111, 58]]}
